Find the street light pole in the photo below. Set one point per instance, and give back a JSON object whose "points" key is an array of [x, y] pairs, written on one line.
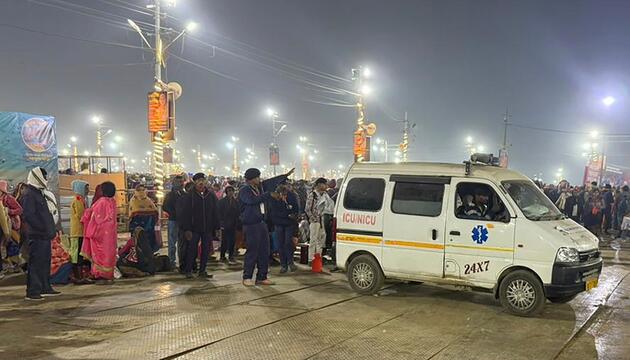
{"points": [[158, 140], [158, 43], [75, 152], [277, 127], [404, 145], [99, 140], [235, 167], [358, 76]]}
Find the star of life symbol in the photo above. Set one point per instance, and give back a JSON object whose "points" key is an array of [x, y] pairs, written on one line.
{"points": [[480, 234]]}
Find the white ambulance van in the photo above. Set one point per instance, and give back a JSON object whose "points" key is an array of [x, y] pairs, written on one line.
{"points": [[470, 224]]}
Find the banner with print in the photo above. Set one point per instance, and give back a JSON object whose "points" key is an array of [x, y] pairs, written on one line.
{"points": [[28, 141]]}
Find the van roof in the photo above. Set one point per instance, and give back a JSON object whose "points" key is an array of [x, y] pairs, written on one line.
{"points": [[495, 173]]}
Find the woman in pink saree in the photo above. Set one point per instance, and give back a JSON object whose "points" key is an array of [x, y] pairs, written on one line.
{"points": [[100, 235]]}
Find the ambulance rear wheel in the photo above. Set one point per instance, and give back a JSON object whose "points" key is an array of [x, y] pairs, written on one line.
{"points": [[365, 275], [522, 294]]}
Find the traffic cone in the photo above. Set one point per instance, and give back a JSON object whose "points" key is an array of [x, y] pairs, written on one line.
{"points": [[317, 265]]}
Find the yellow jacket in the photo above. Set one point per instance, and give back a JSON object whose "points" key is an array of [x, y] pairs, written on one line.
{"points": [[77, 209], [140, 203]]}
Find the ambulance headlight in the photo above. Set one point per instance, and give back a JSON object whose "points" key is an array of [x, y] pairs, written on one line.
{"points": [[567, 255]]}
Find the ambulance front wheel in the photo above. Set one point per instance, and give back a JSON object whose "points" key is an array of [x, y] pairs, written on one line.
{"points": [[522, 294], [365, 275]]}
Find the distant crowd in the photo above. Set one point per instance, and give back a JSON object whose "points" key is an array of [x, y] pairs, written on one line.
{"points": [[601, 209]]}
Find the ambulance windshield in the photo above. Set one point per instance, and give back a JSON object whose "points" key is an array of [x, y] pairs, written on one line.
{"points": [[534, 203]]}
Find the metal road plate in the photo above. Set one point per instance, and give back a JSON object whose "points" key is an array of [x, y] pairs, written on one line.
{"points": [[300, 336], [179, 334], [310, 298]]}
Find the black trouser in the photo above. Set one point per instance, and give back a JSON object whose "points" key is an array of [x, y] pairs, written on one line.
{"points": [[192, 246], [38, 277], [327, 220], [227, 242], [181, 249]]}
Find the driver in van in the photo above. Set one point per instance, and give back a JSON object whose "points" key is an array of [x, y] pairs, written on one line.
{"points": [[478, 207]]}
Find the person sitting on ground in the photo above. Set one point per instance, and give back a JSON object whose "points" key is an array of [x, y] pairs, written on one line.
{"points": [[135, 258]]}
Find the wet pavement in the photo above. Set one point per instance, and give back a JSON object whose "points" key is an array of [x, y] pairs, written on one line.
{"points": [[311, 316]]}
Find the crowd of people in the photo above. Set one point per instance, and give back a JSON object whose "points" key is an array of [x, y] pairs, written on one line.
{"points": [[269, 217], [601, 209]]}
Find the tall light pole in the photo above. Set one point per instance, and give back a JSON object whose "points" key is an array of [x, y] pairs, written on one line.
{"points": [[305, 148], [404, 145], [159, 50], [75, 152], [101, 132], [277, 127], [361, 134], [235, 164]]}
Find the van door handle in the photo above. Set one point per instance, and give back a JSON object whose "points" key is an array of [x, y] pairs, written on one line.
{"points": [[455, 233], [434, 234]]}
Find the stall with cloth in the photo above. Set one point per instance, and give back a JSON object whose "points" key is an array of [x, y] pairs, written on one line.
{"points": [[143, 213]]}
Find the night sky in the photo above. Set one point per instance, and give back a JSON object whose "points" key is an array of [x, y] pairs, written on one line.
{"points": [[454, 66]]}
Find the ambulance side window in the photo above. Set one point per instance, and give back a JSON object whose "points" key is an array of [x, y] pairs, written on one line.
{"points": [[418, 199], [364, 194], [478, 201]]}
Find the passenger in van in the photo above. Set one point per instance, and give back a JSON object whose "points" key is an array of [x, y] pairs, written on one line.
{"points": [[475, 207]]}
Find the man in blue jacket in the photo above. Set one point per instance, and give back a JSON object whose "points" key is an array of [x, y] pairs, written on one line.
{"points": [[252, 197], [284, 212]]}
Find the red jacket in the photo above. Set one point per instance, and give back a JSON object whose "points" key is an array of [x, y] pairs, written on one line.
{"points": [[15, 210]]}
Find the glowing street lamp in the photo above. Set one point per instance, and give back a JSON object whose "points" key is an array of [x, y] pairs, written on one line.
{"points": [[608, 101], [100, 127], [192, 26]]}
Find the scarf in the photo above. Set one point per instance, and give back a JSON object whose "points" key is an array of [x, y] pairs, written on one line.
{"points": [[140, 203], [78, 187], [37, 180]]}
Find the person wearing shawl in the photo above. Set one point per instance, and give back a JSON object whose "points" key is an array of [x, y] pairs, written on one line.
{"points": [[100, 235], [40, 216], [143, 213], [136, 259], [77, 208], [12, 223], [13, 207]]}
